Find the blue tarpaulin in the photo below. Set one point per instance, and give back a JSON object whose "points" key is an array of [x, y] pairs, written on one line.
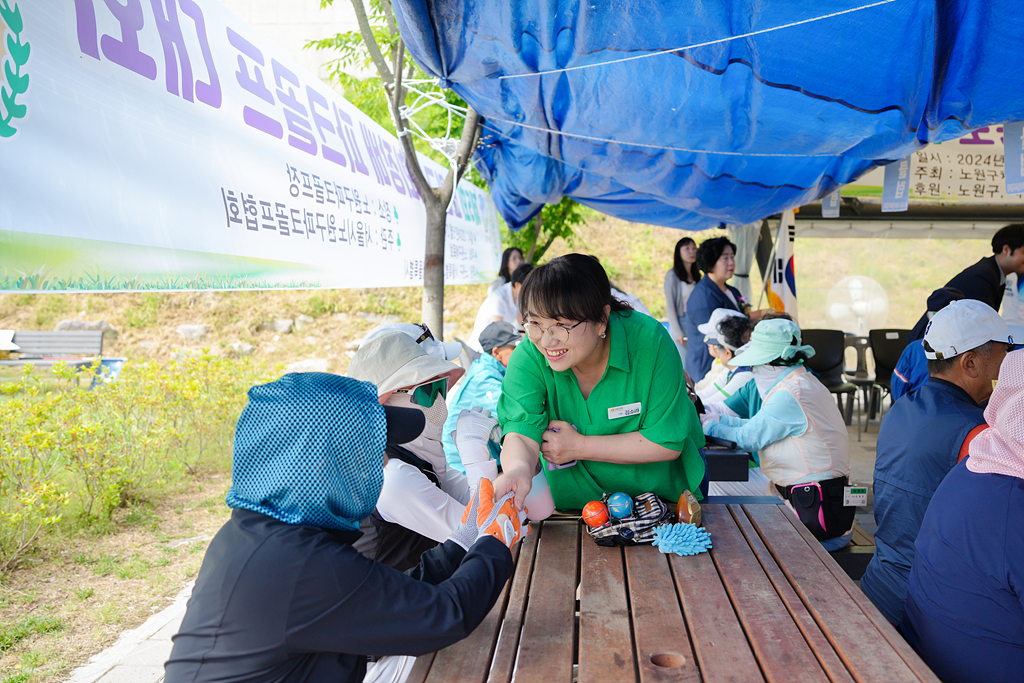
{"points": [[691, 114]]}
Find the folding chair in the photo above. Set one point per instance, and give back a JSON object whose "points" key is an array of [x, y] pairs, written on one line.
{"points": [[886, 347], [827, 362]]}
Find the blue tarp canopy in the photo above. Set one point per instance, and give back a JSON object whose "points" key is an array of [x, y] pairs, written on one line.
{"points": [[691, 114]]}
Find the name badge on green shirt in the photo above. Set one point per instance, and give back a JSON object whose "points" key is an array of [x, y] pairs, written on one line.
{"points": [[624, 411]]}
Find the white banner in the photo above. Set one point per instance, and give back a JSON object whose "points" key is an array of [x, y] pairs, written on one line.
{"points": [[163, 144]]}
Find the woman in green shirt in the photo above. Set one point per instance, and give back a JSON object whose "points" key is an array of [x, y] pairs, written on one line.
{"points": [[598, 392]]}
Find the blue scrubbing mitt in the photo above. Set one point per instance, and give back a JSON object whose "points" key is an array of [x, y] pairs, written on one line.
{"points": [[682, 539]]}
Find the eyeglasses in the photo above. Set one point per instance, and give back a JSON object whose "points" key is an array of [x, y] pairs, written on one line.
{"points": [[425, 394], [558, 331]]}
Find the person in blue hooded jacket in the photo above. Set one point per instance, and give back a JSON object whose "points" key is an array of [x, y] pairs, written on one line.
{"points": [[481, 387], [282, 596]]}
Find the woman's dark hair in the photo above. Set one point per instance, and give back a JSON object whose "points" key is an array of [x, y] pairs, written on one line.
{"points": [[798, 359], [710, 251], [503, 271], [570, 287], [521, 273], [685, 275], [734, 330]]}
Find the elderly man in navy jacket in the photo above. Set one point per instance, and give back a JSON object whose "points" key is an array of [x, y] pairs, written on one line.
{"points": [[925, 434]]}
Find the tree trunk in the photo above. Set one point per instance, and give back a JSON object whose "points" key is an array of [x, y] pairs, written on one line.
{"points": [[433, 268], [538, 225]]}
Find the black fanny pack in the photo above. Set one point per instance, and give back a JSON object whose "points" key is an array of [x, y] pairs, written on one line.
{"points": [[819, 505]]}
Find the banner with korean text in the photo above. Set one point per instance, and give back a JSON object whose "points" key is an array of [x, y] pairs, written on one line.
{"points": [[164, 144]]}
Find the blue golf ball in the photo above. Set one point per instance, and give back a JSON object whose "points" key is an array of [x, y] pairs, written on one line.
{"points": [[620, 505]]}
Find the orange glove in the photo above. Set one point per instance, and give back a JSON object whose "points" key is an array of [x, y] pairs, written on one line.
{"points": [[485, 517]]}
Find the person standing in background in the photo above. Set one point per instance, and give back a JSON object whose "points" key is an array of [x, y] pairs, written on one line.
{"points": [[679, 283], [717, 258], [511, 259], [500, 305]]}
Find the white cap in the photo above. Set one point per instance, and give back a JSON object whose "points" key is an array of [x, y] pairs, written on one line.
{"points": [[710, 328], [420, 334], [964, 325]]}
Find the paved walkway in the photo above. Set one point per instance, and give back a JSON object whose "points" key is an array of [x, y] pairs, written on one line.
{"points": [[138, 655]]}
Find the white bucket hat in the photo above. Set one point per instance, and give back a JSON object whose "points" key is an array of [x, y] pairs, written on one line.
{"points": [[964, 325], [710, 328], [394, 361], [420, 334]]}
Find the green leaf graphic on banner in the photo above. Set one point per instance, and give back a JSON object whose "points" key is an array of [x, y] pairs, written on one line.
{"points": [[17, 82], [398, 240]]}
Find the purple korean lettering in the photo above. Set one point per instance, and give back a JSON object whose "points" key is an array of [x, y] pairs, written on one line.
{"points": [[347, 135], [207, 93], [85, 23], [169, 28], [126, 51], [254, 85], [322, 122], [393, 168], [300, 134], [376, 158], [976, 139]]}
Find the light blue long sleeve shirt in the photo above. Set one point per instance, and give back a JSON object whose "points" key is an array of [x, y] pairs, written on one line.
{"points": [[779, 417]]}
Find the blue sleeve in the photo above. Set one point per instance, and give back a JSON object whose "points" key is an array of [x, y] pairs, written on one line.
{"points": [[780, 417]]}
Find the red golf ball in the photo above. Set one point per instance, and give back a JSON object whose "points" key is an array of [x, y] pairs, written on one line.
{"points": [[595, 513]]}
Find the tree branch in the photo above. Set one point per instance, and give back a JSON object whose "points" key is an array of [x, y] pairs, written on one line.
{"points": [[412, 162], [371, 44], [389, 14], [467, 143]]}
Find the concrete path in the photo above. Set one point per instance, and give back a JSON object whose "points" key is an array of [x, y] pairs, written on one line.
{"points": [[138, 655]]}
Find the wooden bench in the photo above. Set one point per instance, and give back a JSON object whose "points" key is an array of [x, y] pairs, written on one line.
{"points": [[78, 347], [766, 604], [855, 557]]}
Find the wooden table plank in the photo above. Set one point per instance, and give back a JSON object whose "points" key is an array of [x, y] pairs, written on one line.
{"points": [[900, 645], [723, 653], [857, 640], [822, 649], [549, 629], [507, 646], [663, 650], [777, 640], [421, 668], [606, 641], [468, 660]]}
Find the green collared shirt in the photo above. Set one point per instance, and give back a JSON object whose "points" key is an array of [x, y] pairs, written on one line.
{"points": [[642, 390]]}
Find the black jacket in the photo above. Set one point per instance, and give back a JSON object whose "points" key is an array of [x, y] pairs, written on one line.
{"points": [[983, 282], [281, 603]]}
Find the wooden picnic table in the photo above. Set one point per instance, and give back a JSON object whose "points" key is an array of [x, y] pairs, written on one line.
{"points": [[767, 603]]}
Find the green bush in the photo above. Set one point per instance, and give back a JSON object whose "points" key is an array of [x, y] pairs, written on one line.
{"points": [[73, 452]]}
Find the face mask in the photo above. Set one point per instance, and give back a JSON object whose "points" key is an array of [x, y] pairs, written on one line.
{"points": [[765, 376], [435, 415]]}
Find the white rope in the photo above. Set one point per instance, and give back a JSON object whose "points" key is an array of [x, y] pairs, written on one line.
{"points": [[696, 45], [647, 146]]}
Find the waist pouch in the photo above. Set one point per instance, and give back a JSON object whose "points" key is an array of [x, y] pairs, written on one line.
{"points": [[819, 505], [649, 512]]}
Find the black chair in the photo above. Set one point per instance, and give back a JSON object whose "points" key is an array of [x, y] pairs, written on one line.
{"points": [[827, 362], [858, 375], [886, 347]]}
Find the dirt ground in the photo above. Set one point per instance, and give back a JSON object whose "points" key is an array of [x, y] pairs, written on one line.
{"points": [[75, 596]]}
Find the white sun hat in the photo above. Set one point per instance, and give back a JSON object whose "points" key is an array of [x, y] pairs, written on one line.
{"points": [[394, 361], [420, 334]]}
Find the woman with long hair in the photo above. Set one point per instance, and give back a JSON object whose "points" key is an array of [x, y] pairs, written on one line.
{"points": [[679, 284], [597, 392], [511, 259]]}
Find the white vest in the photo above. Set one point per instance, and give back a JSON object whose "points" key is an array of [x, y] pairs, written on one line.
{"points": [[822, 451]]}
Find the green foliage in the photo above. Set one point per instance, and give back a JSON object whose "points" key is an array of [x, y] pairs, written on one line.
{"points": [[370, 95], [555, 220], [91, 452], [143, 315], [11, 634]]}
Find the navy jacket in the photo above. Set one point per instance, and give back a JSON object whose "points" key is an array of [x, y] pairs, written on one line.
{"points": [[911, 370], [983, 282], [704, 299], [964, 611], [918, 444], [282, 603]]}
